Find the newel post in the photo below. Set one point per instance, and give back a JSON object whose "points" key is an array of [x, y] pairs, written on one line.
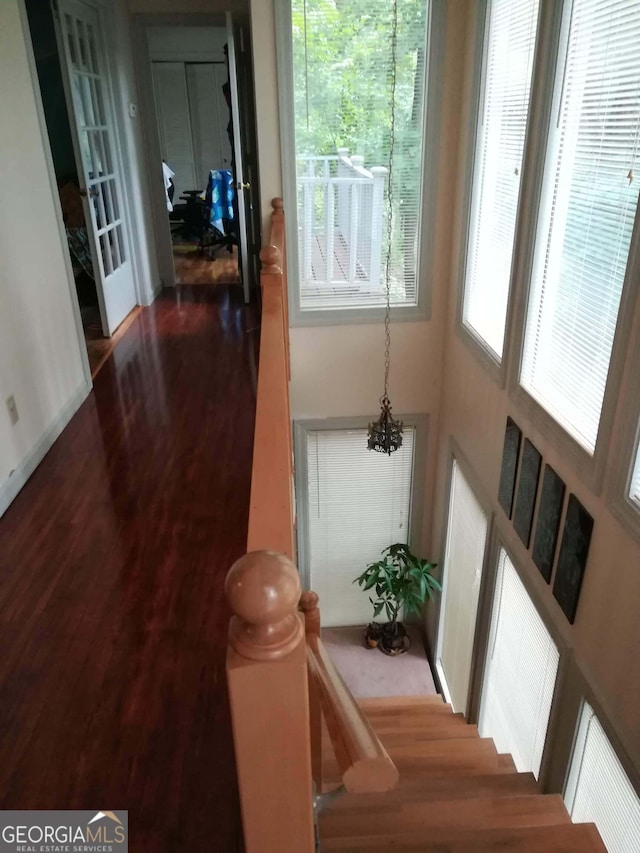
{"points": [[268, 692]]}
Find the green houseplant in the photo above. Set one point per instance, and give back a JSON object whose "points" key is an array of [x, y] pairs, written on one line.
{"points": [[400, 581]]}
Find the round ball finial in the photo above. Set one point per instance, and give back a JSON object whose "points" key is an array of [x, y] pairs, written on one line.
{"points": [[263, 590], [277, 204], [270, 257]]}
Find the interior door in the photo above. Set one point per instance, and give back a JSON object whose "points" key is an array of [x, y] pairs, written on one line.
{"points": [[249, 143], [241, 185], [85, 72]]}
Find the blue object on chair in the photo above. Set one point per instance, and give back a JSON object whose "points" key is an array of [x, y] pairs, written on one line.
{"points": [[220, 195]]}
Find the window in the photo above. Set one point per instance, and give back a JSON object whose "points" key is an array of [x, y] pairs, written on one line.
{"points": [[587, 209], [463, 558], [599, 791], [357, 503], [343, 72], [520, 673], [508, 63]]}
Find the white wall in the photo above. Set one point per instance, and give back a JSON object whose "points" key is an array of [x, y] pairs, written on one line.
{"points": [[41, 361], [187, 44]]}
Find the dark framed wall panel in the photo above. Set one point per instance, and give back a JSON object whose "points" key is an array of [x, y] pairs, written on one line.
{"points": [[508, 473], [572, 561], [548, 524], [527, 491]]}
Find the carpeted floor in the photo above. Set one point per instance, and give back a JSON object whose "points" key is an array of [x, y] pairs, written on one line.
{"points": [[369, 672]]}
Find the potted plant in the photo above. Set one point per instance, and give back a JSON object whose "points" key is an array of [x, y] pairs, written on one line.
{"points": [[400, 581]]}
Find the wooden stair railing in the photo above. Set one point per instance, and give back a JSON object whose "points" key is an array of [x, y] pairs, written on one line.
{"points": [[271, 504], [364, 763], [279, 683]]}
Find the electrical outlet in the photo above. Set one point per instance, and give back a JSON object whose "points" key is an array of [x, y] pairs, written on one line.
{"points": [[13, 410]]}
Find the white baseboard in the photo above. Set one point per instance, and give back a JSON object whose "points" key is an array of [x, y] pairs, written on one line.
{"points": [[16, 480]]}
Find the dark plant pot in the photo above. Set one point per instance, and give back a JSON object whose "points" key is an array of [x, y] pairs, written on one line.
{"points": [[394, 640], [372, 635]]}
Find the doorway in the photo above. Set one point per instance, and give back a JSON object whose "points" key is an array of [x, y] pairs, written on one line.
{"points": [[200, 125], [75, 89]]}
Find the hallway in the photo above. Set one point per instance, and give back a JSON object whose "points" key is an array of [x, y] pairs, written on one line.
{"points": [[112, 559]]}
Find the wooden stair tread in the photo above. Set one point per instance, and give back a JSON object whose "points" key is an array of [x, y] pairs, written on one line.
{"points": [[371, 703], [431, 787], [564, 838], [478, 813]]}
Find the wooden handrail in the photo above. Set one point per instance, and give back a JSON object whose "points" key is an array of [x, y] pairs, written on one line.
{"points": [[364, 764], [271, 504]]}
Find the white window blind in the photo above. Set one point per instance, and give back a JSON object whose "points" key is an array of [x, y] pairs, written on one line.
{"points": [[588, 205], [599, 791], [342, 76], [520, 673], [464, 554], [508, 64], [359, 502]]}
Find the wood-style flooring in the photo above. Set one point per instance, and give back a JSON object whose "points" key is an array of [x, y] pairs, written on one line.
{"points": [[194, 267], [113, 621]]}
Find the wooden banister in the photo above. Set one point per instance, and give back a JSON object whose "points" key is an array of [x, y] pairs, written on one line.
{"points": [[365, 765], [271, 502]]}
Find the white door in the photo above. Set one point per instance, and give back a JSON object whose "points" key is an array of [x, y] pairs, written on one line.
{"points": [[240, 184], [98, 158]]}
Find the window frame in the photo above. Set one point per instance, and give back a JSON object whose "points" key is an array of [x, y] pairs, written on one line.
{"points": [[552, 34], [455, 455], [622, 506], [501, 541], [545, 100], [302, 428], [434, 65], [476, 73]]}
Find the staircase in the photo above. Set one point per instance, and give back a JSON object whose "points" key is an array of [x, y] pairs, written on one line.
{"points": [[456, 793]]}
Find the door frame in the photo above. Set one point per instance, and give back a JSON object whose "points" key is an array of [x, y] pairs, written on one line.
{"points": [[107, 25], [140, 22], [53, 183]]}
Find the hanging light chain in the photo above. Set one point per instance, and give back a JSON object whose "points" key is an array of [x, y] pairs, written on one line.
{"points": [[390, 199]]}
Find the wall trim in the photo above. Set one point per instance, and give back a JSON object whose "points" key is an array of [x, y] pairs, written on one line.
{"points": [[19, 476]]}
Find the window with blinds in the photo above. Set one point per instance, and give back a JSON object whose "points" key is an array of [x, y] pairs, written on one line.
{"points": [[588, 205], [520, 673], [358, 503], [343, 76], [502, 124], [598, 789], [463, 559]]}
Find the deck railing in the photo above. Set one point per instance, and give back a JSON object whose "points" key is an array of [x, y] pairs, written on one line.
{"points": [[281, 682], [340, 209]]}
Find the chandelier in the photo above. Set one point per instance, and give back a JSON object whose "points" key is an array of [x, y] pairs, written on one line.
{"points": [[385, 434]]}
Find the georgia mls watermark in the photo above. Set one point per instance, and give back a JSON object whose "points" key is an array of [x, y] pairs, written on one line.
{"points": [[64, 832]]}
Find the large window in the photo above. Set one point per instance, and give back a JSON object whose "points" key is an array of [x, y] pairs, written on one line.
{"points": [[356, 503], [463, 559], [520, 673], [588, 205], [345, 69], [598, 789], [502, 124]]}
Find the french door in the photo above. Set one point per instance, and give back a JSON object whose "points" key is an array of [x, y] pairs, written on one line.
{"points": [[88, 92]]}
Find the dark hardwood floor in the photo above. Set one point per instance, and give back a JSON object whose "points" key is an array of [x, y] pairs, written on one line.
{"points": [[112, 559]]}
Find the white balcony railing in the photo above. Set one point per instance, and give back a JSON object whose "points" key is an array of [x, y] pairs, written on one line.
{"points": [[340, 220]]}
